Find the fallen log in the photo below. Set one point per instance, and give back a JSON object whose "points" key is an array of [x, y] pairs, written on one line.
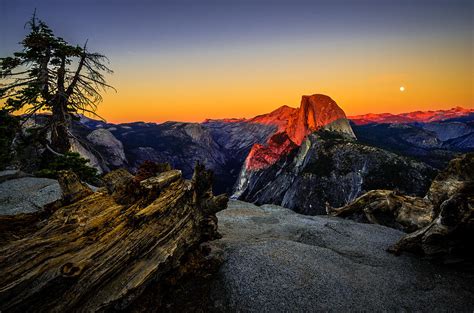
{"points": [[388, 208], [441, 224], [99, 251]]}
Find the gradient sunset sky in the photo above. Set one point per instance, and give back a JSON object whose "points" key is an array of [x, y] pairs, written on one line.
{"points": [[191, 60]]}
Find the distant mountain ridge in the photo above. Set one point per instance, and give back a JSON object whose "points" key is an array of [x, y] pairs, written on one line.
{"points": [[227, 145], [411, 117]]}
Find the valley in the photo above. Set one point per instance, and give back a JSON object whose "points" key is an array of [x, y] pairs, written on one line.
{"points": [[234, 148]]}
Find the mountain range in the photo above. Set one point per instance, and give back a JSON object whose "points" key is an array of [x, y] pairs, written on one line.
{"points": [[291, 155], [412, 117]]}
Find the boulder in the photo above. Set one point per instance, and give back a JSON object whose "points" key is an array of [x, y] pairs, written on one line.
{"points": [[27, 194], [108, 146]]}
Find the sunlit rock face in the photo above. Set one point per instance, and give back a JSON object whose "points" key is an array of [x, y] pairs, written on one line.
{"points": [[103, 140], [262, 156], [315, 112], [293, 125], [278, 117]]}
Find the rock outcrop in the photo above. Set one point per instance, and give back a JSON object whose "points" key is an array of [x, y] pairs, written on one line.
{"points": [[109, 146], [448, 238], [27, 194], [331, 169], [280, 261], [447, 183], [101, 251]]}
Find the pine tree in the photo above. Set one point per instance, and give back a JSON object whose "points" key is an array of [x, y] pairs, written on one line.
{"points": [[50, 75]]}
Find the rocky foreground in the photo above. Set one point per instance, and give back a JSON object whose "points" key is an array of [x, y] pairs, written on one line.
{"points": [[139, 245], [279, 261]]}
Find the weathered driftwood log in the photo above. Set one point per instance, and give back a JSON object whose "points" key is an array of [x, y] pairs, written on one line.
{"points": [[389, 208], [102, 250], [408, 213], [450, 237], [442, 222]]}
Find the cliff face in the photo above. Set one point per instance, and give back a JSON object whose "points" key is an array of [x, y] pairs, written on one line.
{"points": [[316, 112], [330, 168], [293, 125]]}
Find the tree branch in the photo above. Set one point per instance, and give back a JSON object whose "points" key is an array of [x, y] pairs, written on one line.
{"points": [[78, 71]]}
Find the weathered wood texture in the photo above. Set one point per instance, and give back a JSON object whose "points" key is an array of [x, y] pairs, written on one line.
{"points": [[442, 223], [99, 251], [389, 208]]}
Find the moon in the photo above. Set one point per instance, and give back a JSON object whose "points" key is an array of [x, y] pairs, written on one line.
{"points": [[402, 89]]}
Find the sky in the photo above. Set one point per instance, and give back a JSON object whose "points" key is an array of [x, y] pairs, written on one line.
{"points": [[189, 60]]}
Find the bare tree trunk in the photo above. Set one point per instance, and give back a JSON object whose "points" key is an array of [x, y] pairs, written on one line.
{"points": [[60, 122], [59, 129]]}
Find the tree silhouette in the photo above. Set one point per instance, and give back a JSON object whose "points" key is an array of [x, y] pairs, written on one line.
{"points": [[51, 75]]}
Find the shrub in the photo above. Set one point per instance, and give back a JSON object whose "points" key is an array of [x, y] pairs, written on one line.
{"points": [[8, 127], [69, 161]]}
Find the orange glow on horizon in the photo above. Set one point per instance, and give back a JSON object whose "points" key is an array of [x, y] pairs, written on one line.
{"points": [[258, 79], [363, 77]]}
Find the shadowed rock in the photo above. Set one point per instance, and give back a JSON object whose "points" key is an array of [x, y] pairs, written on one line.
{"points": [[331, 168]]}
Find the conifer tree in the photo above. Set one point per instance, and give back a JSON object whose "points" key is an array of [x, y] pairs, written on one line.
{"points": [[50, 75]]}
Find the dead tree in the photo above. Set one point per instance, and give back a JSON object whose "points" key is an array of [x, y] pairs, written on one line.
{"points": [[98, 251]]}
